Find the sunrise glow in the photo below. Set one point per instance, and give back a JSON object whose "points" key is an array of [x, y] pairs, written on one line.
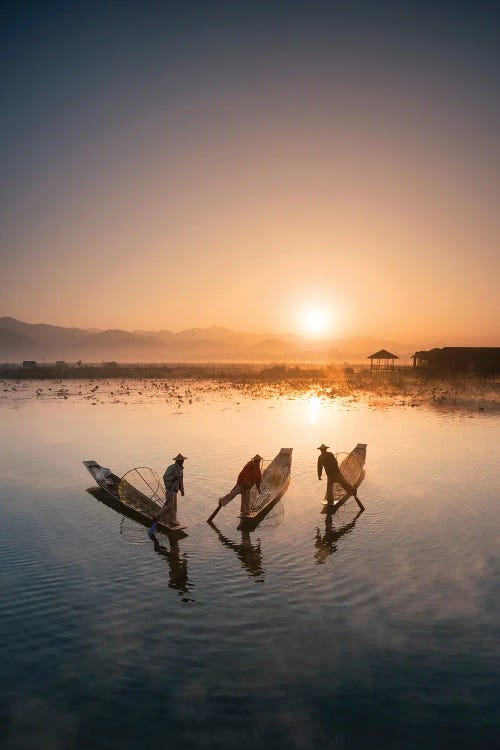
{"points": [[316, 322], [252, 168]]}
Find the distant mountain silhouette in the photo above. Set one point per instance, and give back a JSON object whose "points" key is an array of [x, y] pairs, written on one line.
{"points": [[43, 342], [13, 341], [122, 345], [20, 340]]}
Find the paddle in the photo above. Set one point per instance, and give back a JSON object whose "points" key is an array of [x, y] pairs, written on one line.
{"points": [[209, 520], [359, 502]]}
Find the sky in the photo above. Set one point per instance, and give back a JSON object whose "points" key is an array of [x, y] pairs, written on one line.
{"points": [[322, 168]]}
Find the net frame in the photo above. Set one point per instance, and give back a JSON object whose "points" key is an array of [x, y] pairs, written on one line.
{"points": [[140, 489], [270, 483]]}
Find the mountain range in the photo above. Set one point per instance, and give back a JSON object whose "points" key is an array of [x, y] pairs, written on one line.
{"points": [[48, 343]]}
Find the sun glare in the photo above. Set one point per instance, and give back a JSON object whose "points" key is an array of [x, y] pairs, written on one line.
{"points": [[316, 322]]}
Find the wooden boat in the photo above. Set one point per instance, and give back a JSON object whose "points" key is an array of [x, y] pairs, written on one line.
{"points": [[352, 468], [129, 501], [274, 484]]}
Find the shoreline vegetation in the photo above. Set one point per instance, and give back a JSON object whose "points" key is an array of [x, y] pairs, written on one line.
{"points": [[185, 384]]}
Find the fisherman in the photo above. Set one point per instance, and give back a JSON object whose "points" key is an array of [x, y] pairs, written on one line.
{"points": [[328, 462], [248, 477], [173, 479]]}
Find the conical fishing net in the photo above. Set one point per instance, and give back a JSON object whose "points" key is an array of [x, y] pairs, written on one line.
{"points": [[140, 489], [273, 479]]}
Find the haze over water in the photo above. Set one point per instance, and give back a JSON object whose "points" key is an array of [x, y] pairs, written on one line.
{"points": [[379, 630]]}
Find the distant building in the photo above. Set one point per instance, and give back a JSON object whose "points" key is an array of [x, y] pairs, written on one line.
{"points": [[29, 363], [455, 360], [382, 360], [61, 363]]}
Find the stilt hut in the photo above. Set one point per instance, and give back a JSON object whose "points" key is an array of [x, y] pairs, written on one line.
{"points": [[382, 360]]}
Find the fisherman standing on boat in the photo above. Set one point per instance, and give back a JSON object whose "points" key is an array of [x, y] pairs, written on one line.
{"points": [[248, 476], [173, 479], [328, 462]]}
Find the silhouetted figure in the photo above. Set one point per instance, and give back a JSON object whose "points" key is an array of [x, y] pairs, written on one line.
{"points": [[328, 462], [173, 480], [248, 476]]}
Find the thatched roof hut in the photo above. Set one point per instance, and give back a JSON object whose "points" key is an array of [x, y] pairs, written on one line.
{"points": [[382, 359]]}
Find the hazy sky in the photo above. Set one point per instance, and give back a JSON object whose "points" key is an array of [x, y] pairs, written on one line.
{"points": [[166, 165]]}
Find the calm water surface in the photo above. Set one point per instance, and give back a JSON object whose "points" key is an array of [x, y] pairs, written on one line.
{"points": [[377, 630]]}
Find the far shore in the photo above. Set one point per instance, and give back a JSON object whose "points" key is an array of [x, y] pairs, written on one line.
{"points": [[179, 370], [185, 384], [221, 370]]}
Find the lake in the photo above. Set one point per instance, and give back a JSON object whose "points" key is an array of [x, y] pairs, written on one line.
{"points": [[377, 629]]}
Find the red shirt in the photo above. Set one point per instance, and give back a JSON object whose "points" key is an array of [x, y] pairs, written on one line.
{"points": [[250, 475]]}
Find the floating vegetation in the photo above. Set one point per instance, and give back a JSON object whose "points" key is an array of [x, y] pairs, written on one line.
{"points": [[401, 389]]}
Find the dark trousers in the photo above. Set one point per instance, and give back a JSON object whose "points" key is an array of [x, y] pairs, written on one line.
{"points": [[337, 478]]}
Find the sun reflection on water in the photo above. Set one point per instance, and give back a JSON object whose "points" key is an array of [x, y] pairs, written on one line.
{"points": [[314, 408]]}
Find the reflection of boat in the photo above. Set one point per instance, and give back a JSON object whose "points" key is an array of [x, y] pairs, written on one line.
{"points": [[274, 484], [249, 554], [352, 468], [132, 503], [326, 544], [177, 565]]}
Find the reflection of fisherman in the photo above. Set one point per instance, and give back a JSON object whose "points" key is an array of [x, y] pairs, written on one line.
{"points": [[249, 554], [248, 476], [327, 544], [177, 563], [173, 480], [328, 462]]}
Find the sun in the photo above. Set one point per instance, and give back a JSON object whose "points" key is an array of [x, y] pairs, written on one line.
{"points": [[316, 322]]}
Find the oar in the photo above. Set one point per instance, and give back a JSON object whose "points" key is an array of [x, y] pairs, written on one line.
{"points": [[214, 514], [359, 502], [362, 507]]}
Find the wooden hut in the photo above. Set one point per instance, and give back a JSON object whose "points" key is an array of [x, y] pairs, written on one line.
{"points": [[455, 360], [382, 360]]}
